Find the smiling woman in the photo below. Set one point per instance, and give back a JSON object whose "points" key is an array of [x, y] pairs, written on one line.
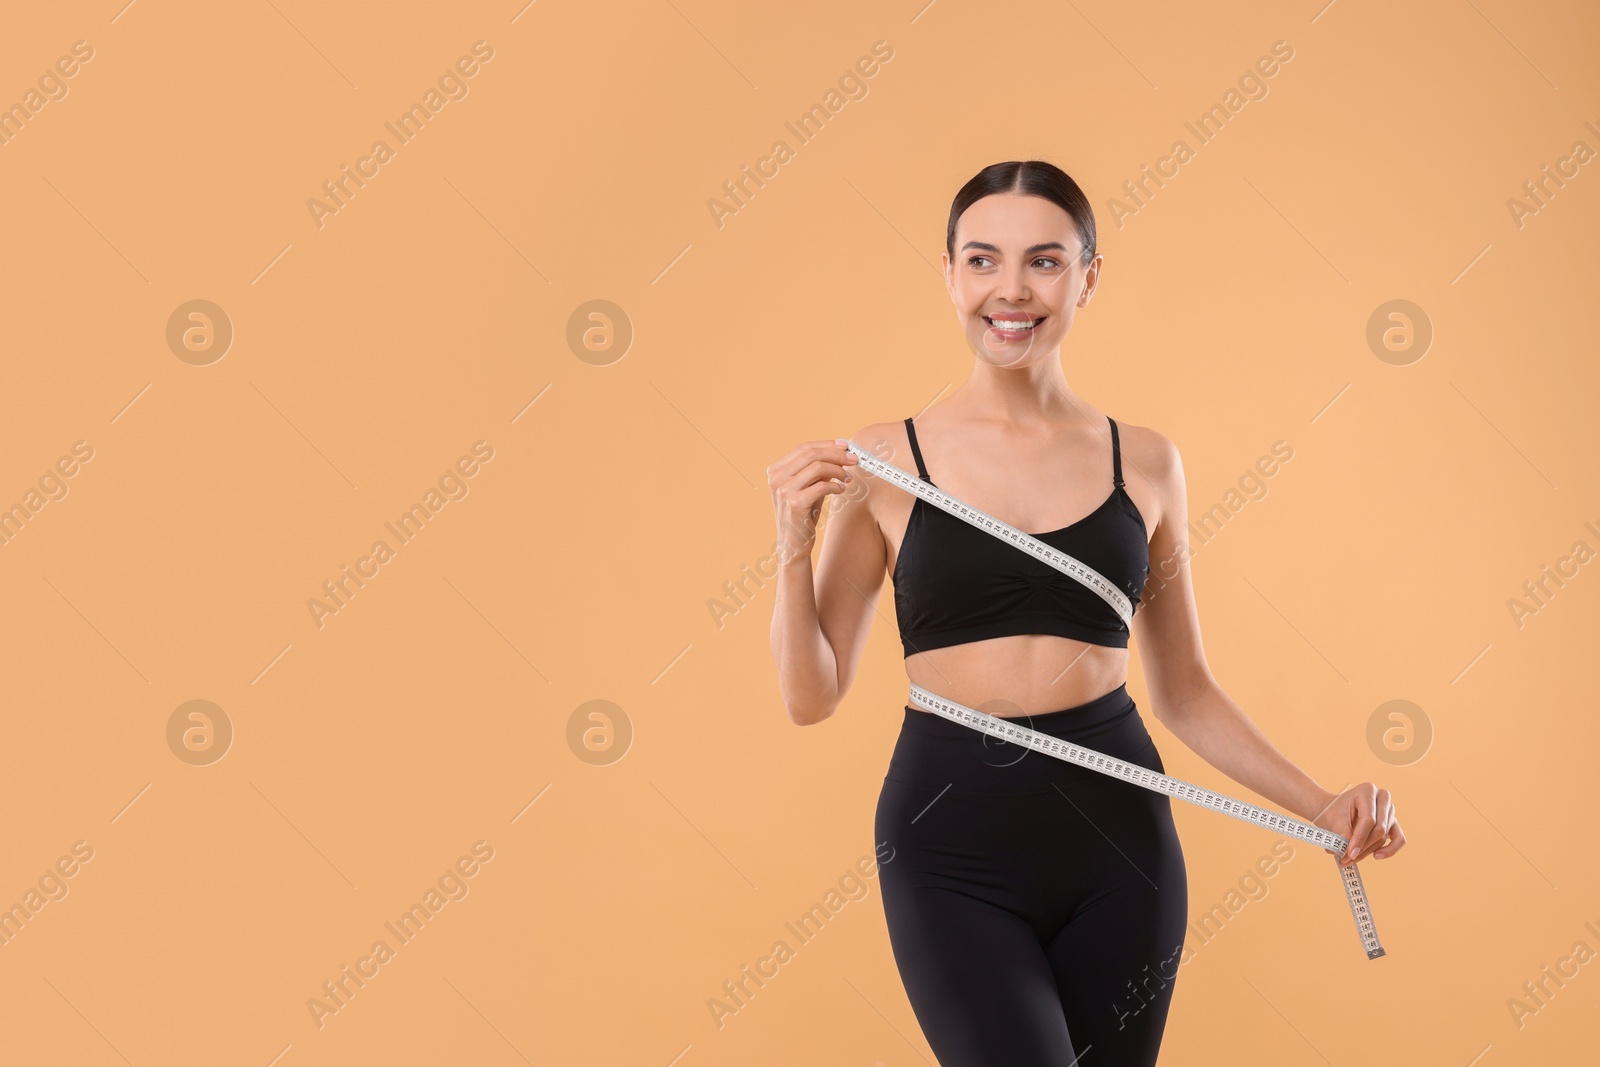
{"points": [[1027, 892]]}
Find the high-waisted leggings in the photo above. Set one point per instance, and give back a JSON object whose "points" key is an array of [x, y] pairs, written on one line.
{"points": [[1036, 909]]}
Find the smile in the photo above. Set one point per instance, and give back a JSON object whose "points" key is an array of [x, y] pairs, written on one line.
{"points": [[1014, 327]]}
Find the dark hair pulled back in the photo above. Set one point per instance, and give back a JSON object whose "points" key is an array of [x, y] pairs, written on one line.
{"points": [[1033, 177]]}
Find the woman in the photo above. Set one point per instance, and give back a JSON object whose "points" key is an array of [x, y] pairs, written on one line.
{"points": [[1036, 908]]}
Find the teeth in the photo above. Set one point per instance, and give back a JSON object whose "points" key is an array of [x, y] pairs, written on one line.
{"points": [[1002, 324]]}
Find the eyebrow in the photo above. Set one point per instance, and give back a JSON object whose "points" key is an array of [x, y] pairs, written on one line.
{"points": [[1030, 250]]}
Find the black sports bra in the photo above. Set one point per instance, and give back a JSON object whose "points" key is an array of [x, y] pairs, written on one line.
{"points": [[955, 583]]}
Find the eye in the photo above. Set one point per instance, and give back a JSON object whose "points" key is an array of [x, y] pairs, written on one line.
{"points": [[1051, 262]]}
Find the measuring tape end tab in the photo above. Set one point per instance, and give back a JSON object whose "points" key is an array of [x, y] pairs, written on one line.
{"points": [[1374, 953]]}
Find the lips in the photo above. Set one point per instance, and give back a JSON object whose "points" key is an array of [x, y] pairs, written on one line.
{"points": [[1011, 325]]}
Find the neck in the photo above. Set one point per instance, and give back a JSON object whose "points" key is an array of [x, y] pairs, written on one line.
{"points": [[1032, 393]]}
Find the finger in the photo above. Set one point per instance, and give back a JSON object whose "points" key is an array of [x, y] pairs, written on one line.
{"points": [[838, 446], [1365, 824], [1385, 807], [1373, 839], [1385, 812], [1397, 841], [810, 474], [821, 469], [807, 452], [807, 498], [801, 504]]}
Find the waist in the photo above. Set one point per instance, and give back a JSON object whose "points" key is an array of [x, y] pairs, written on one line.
{"points": [[932, 749]]}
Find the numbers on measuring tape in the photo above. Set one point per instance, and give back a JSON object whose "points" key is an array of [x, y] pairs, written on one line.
{"points": [[1169, 786], [1143, 776], [1082, 572]]}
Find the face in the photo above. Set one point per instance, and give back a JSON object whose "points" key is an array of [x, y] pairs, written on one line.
{"points": [[1018, 259]]}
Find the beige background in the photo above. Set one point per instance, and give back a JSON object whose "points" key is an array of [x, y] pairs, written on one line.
{"points": [[432, 711]]}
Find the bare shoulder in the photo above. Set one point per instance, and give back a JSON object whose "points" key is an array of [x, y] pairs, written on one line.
{"points": [[1152, 470], [1149, 454], [876, 435], [888, 442]]}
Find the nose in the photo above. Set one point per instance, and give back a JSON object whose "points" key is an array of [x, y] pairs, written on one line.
{"points": [[1013, 284]]}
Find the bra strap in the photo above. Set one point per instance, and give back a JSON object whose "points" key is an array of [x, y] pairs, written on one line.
{"points": [[916, 453], [1116, 455]]}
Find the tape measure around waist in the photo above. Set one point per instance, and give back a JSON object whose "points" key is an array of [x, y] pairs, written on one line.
{"points": [[1355, 892], [1172, 787]]}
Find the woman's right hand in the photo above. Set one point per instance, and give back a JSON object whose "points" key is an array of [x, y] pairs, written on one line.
{"points": [[799, 480]]}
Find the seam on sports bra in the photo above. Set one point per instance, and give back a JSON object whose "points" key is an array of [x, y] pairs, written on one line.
{"points": [[1137, 514]]}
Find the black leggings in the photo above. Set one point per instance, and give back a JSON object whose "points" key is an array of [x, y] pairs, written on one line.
{"points": [[1036, 908]]}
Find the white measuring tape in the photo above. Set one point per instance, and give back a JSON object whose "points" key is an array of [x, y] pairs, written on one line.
{"points": [[1088, 757]]}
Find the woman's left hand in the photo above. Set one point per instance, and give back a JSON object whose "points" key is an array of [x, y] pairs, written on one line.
{"points": [[1363, 815]]}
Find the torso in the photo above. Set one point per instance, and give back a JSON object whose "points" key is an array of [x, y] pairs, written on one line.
{"points": [[1023, 673]]}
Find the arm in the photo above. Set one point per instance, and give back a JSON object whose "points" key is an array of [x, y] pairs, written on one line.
{"points": [[820, 620], [1184, 696], [1187, 700]]}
